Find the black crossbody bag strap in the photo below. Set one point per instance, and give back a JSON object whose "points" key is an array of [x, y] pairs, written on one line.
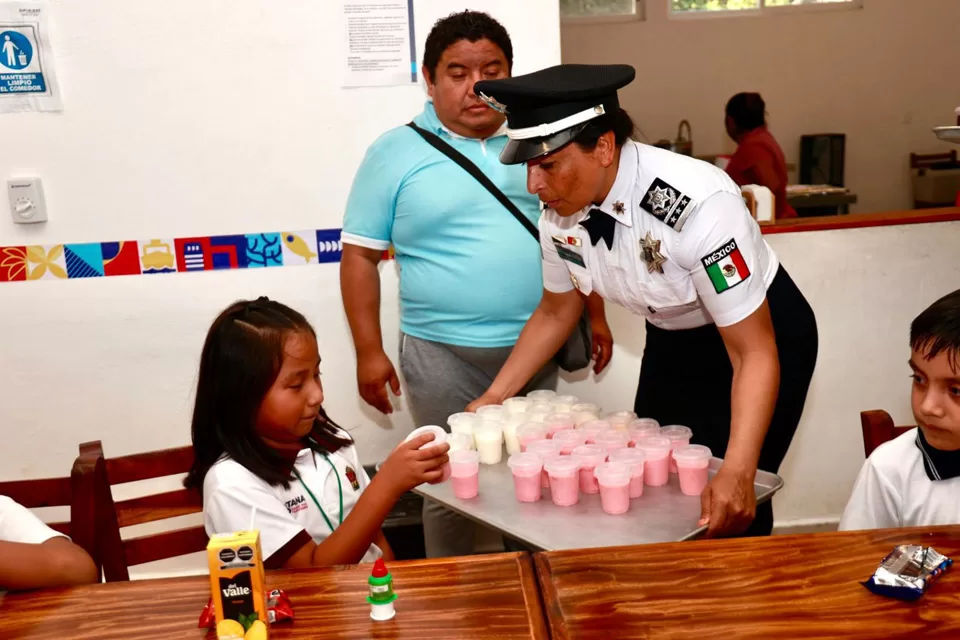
{"points": [[478, 175]]}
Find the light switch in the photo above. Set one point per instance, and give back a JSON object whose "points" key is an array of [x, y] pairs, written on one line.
{"points": [[26, 200]]}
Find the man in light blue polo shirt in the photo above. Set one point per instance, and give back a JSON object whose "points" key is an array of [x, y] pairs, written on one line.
{"points": [[469, 272]]}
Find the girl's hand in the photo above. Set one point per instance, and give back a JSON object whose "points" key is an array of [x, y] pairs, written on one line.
{"points": [[409, 465]]}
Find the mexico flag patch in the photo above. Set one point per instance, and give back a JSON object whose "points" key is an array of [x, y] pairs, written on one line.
{"points": [[726, 267]]}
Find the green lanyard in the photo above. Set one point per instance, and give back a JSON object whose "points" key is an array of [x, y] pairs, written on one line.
{"points": [[314, 498]]}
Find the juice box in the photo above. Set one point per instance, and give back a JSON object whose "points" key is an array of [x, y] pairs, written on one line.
{"points": [[236, 582]]}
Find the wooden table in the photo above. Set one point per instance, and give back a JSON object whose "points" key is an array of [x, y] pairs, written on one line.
{"points": [[778, 587], [470, 597]]}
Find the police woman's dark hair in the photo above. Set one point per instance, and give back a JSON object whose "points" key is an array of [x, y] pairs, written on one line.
{"points": [[240, 361], [747, 110], [619, 122], [466, 25], [937, 330]]}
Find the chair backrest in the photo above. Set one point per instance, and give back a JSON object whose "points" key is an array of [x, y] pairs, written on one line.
{"points": [[878, 428], [118, 554], [76, 491]]}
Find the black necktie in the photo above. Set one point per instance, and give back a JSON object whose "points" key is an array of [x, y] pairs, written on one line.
{"points": [[939, 465], [599, 225]]}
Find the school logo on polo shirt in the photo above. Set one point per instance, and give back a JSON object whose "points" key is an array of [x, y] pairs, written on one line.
{"points": [[295, 505], [725, 266], [352, 478]]}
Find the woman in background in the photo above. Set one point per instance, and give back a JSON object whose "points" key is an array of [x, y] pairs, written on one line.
{"points": [[758, 159]]}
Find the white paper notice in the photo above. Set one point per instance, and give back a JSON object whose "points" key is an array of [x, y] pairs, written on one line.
{"points": [[379, 43], [27, 79]]}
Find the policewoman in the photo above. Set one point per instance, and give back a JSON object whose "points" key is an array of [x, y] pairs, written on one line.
{"points": [[731, 342]]}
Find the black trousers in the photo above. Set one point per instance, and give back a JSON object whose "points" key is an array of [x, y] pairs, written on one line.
{"points": [[686, 378]]}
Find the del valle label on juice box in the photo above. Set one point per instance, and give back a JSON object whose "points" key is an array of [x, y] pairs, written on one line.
{"points": [[237, 585]]}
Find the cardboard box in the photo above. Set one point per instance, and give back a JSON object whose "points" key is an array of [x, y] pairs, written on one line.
{"points": [[236, 578]]}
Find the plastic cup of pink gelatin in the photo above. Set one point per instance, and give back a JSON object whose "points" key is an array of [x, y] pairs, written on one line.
{"points": [[592, 428], [558, 422], [588, 456], [656, 466], [679, 437], [569, 440], [545, 449], [614, 481], [693, 466], [564, 480], [530, 432], [542, 395], [465, 474], [440, 437], [634, 458], [527, 469], [612, 440], [642, 428]]}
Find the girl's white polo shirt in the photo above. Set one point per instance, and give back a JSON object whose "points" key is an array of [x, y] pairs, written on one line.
{"points": [[231, 492]]}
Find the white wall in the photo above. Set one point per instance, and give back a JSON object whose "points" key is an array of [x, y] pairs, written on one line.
{"points": [[884, 75], [183, 119]]}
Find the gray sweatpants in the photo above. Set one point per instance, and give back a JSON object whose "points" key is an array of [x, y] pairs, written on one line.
{"points": [[443, 379]]}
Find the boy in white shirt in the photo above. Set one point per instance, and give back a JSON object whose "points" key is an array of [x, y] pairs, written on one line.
{"points": [[34, 556], [914, 480]]}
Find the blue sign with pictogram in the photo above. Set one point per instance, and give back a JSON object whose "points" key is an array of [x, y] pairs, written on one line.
{"points": [[20, 70], [27, 78]]}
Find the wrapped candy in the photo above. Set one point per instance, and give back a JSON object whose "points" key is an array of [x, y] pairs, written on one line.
{"points": [[908, 572]]}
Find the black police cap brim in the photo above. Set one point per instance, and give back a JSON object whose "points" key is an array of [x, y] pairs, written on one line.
{"points": [[521, 151]]}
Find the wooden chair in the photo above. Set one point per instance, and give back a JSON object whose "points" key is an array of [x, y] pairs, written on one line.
{"points": [[878, 428], [118, 554], [76, 491]]}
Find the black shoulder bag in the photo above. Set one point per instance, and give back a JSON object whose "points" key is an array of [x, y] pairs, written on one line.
{"points": [[576, 352]]}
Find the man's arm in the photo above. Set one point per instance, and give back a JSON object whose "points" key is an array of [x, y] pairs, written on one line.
{"points": [[360, 289], [54, 563]]}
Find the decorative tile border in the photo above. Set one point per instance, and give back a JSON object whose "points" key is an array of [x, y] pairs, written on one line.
{"points": [[172, 255]]}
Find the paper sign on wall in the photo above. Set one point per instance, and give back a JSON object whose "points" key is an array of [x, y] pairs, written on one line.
{"points": [[27, 79], [379, 47]]}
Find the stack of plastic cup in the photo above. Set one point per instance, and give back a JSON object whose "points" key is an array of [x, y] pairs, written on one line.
{"points": [[592, 428], [588, 456], [545, 449], [634, 459], [510, 424], [517, 405], [558, 422], [465, 476], [439, 437], [612, 440], [460, 442], [491, 412], [527, 469], [678, 437], [569, 440], [656, 466], [642, 428], [614, 481], [489, 438], [564, 480], [563, 404], [542, 395], [693, 465], [530, 432], [463, 423]]}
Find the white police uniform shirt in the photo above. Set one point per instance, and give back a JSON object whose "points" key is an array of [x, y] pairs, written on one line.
{"points": [[231, 492], [717, 265], [893, 491], [19, 524]]}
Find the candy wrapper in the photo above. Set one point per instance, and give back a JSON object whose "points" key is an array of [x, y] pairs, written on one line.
{"points": [[908, 572], [279, 609]]}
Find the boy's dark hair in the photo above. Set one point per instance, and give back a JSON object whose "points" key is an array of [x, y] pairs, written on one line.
{"points": [[466, 25], [747, 110], [619, 122], [937, 330], [240, 361]]}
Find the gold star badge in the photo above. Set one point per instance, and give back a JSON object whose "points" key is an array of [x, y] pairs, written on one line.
{"points": [[618, 208], [576, 282], [650, 253]]}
